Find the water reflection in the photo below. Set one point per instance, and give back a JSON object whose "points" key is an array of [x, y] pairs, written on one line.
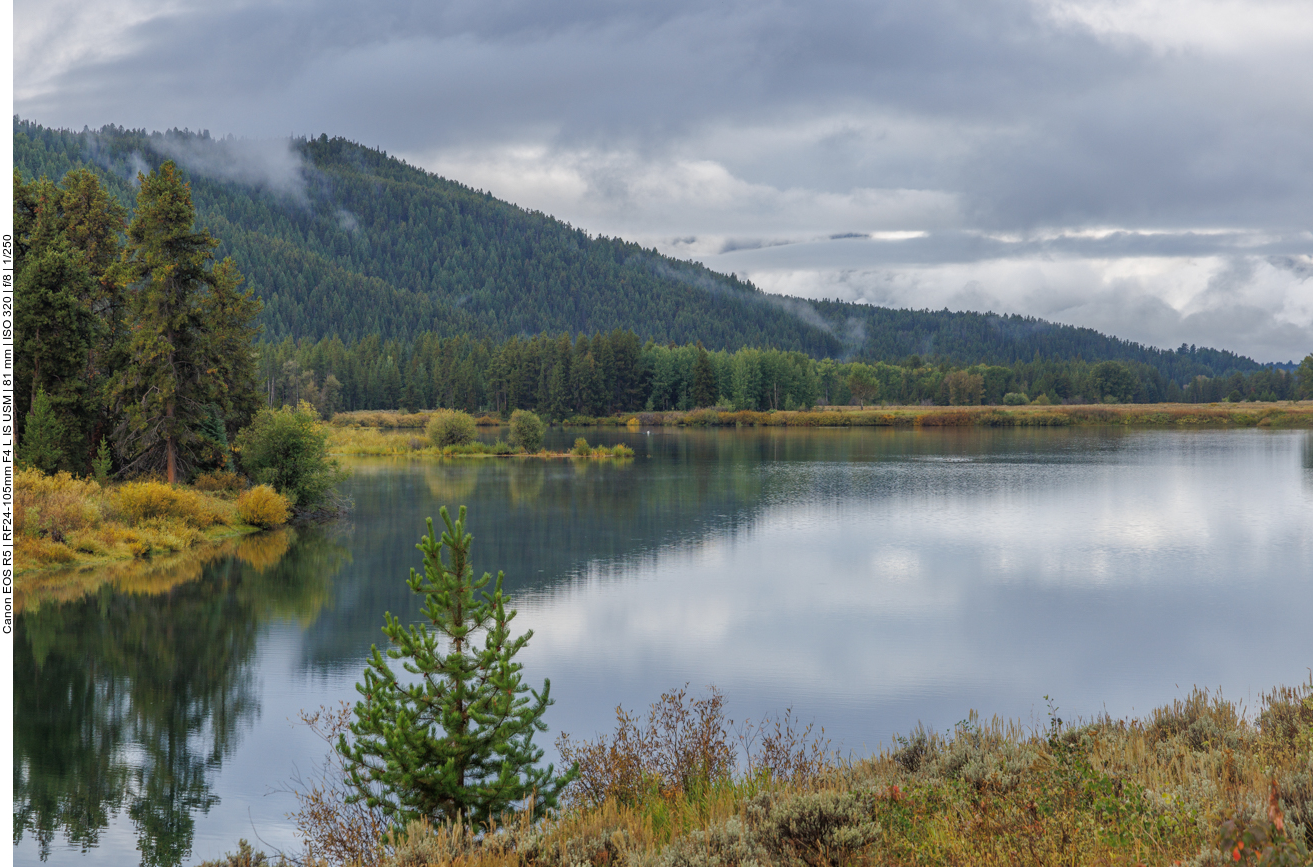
{"points": [[133, 684], [867, 578]]}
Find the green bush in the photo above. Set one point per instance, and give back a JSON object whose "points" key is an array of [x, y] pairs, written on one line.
{"points": [[450, 427], [527, 430], [288, 450], [1015, 398], [581, 448]]}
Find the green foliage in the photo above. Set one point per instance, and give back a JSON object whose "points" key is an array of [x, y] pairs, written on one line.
{"points": [[1305, 377], [315, 262], [1112, 382], [527, 430], [705, 387], [450, 427], [103, 463], [457, 744], [1015, 398], [288, 449], [188, 347], [42, 435]]}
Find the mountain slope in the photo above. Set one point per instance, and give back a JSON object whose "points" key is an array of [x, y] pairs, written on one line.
{"points": [[342, 239]]}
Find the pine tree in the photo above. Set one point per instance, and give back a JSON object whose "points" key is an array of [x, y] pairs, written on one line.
{"points": [[189, 345], [42, 436], [705, 388], [457, 744]]}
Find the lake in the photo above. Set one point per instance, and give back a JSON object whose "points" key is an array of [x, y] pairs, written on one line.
{"points": [[868, 579]]}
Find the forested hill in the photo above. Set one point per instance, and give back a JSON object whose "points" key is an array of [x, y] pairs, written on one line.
{"points": [[342, 239]]}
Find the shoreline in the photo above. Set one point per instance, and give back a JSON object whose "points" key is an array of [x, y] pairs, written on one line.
{"points": [[1284, 414]]}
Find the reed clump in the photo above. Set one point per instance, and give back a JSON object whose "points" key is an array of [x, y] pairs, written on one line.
{"points": [[1197, 782]]}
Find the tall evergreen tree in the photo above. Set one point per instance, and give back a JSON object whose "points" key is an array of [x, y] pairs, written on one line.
{"points": [[705, 388], [55, 325], [189, 325]]}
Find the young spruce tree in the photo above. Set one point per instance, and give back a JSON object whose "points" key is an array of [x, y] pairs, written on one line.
{"points": [[456, 743]]}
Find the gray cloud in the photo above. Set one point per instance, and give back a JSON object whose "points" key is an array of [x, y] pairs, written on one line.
{"points": [[756, 124]]}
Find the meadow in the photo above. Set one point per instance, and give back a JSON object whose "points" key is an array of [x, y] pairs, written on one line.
{"points": [[1196, 782]]}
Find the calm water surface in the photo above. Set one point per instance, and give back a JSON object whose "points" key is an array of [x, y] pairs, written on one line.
{"points": [[867, 579]]}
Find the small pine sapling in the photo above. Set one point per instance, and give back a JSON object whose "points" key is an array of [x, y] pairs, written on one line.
{"points": [[454, 743], [102, 464]]}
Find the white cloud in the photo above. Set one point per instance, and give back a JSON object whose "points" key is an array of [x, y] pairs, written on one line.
{"points": [[1246, 304], [1224, 26]]}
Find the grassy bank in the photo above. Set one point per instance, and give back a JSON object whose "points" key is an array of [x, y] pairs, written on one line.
{"points": [[62, 520], [1196, 782], [397, 440], [395, 429], [148, 576]]}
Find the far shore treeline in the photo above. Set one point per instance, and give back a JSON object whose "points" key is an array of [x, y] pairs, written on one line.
{"points": [[559, 378], [142, 348]]}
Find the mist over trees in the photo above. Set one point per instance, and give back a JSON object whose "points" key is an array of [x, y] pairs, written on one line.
{"points": [[148, 345], [342, 240]]}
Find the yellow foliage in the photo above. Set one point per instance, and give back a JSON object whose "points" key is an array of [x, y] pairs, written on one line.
{"points": [[263, 550], [262, 506], [219, 481], [138, 501], [55, 505]]}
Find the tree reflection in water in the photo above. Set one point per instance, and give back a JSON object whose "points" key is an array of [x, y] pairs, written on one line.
{"points": [[133, 683]]}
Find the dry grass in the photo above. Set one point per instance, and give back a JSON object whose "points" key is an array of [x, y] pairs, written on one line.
{"points": [[62, 520], [1196, 783]]}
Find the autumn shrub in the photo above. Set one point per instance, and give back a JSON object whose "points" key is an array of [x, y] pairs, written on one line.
{"points": [[687, 744], [581, 448], [54, 505], [262, 506], [334, 830], [140, 501], [450, 427], [219, 481]]}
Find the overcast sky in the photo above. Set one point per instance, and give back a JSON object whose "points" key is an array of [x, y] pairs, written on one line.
{"points": [[1144, 167]]}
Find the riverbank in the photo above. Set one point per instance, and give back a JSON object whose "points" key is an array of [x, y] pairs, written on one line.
{"points": [[396, 440], [1195, 782], [64, 521], [396, 428]]}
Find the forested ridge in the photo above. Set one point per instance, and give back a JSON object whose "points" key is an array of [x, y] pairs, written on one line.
{"points": [[342, 240]]}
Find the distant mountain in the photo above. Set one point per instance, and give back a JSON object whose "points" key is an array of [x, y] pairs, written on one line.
{"points": [[338, 238]]}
